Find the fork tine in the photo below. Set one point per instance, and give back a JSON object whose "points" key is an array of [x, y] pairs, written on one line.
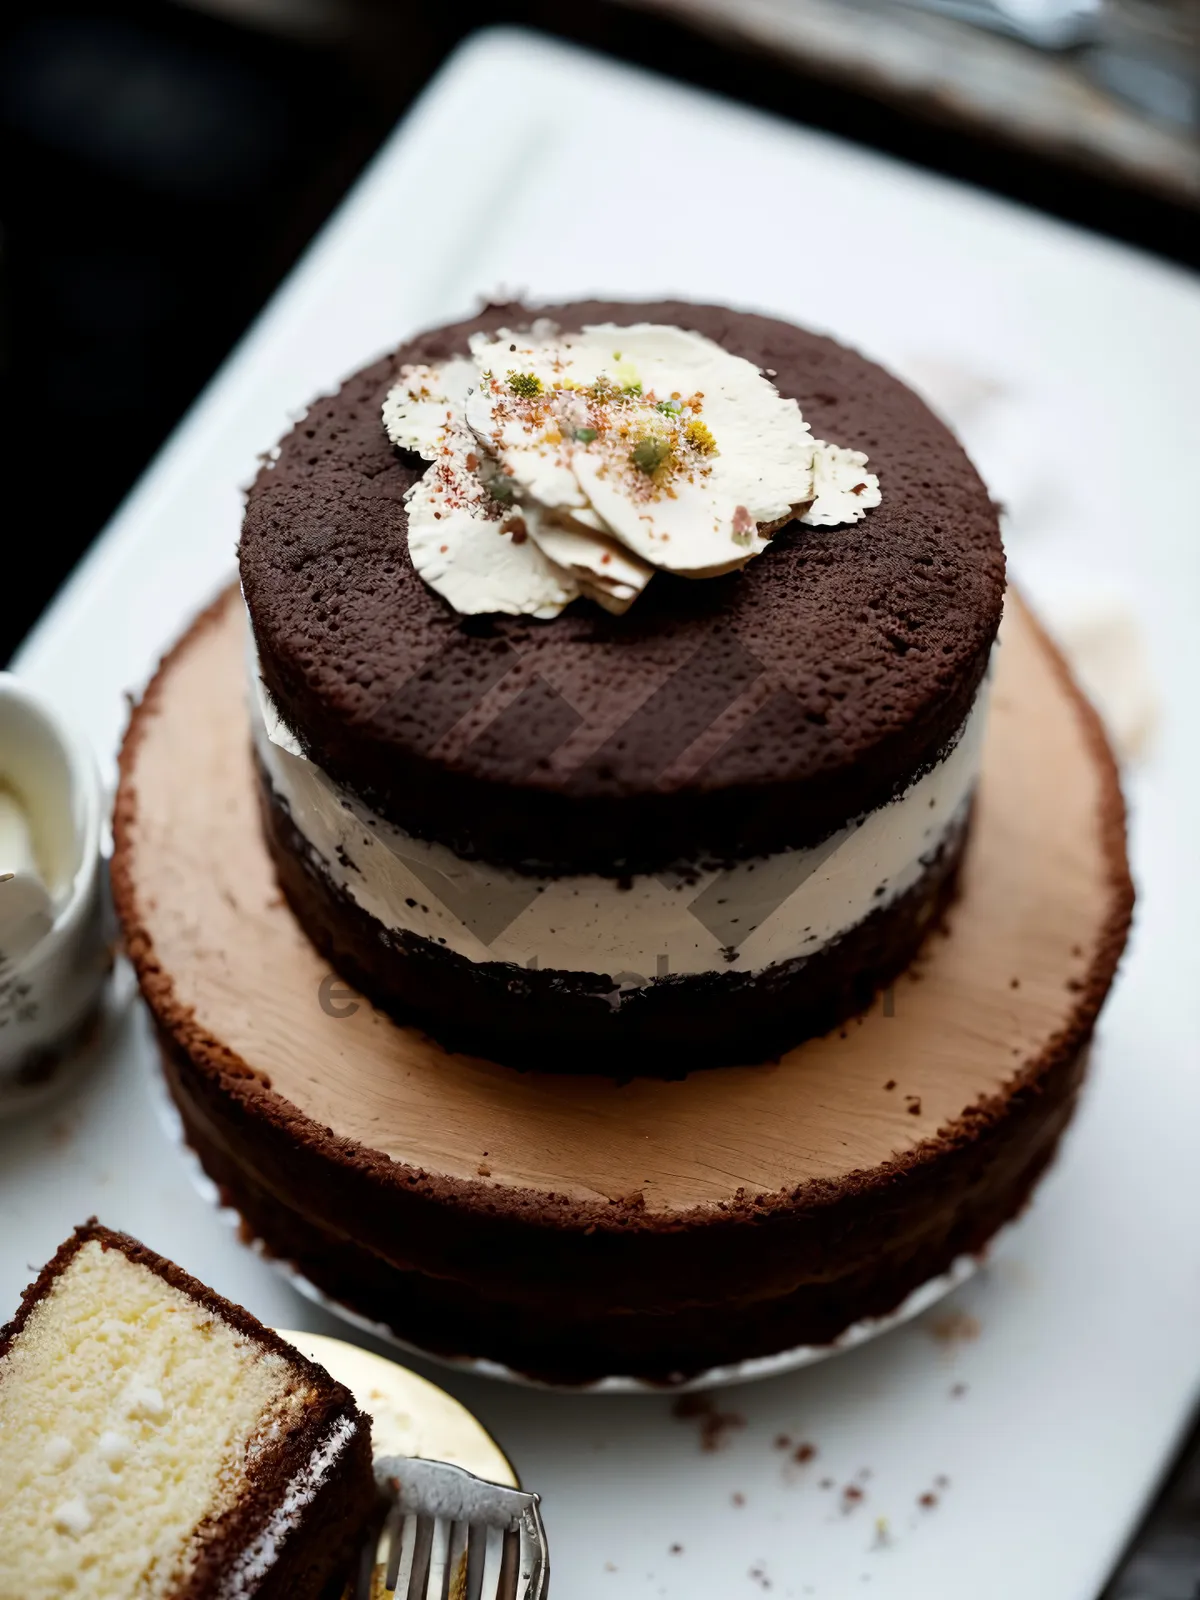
{"points": [[535, 1564], [439, 1549], [452, 1536], [454, 1582], [533, 1567], [492, 1563], [510, 1566], [400, 1534], [477, 1536], [418, 1582]]}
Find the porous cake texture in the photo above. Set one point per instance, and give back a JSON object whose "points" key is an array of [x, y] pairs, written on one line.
{"points": [[157, 1442]]}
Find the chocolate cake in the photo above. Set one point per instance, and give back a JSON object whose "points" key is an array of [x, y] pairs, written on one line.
{"points": [[703, 809], [577, 1227], [159, 1441]]}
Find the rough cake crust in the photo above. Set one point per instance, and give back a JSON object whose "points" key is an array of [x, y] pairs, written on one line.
{"points": [[556, 1021], [557, 1337], [806, 690], [320, 1548], [708, 1275]]}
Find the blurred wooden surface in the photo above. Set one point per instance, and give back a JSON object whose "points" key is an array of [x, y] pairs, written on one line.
{"points": [[961, 76]]}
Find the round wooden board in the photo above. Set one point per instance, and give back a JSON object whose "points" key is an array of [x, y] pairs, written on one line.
{"points": [[1044, 896]]}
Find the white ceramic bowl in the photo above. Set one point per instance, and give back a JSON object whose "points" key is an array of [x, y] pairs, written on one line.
{"points": [[51, 992]]}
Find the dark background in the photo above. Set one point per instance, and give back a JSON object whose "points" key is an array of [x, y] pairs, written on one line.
{"points": [[163, 165]]}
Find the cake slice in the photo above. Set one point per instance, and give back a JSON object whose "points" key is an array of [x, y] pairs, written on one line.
{"points": [[158, 1442]]}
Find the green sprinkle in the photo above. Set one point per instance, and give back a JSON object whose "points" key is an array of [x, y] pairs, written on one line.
{"points": [[627, 376], [527, 384], [669, 408], [585, 435], [648, 454], [501, 488]]}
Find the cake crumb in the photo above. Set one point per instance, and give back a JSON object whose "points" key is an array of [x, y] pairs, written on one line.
{"points": [[1014, 983], [738, 1498], [783, 1441], [804, 1452], [957, 1391], [955, 1327], [914, 1106], [852, 1494], [927, 1501], [484, 1170], [676, 1549], [890, 1084], [715, 1425]]}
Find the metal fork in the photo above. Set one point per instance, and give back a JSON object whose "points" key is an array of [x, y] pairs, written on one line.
{"points": [[447, 1535]]}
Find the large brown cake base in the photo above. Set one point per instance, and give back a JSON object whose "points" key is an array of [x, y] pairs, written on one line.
{"points": [[577, 1227]]}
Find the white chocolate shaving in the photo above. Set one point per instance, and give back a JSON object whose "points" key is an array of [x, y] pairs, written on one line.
{"points": [[427, 404], [465, 543], [843, 490], [569, 464], [604, 569], [481, 559]]}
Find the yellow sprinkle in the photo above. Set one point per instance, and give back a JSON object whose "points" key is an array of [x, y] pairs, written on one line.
{"points": [[699, 434]]}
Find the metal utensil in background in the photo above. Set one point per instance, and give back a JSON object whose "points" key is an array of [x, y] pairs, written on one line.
{"points": [[1148, 53], [1049, 24]]}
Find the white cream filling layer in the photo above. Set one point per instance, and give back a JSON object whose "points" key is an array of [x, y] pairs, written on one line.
{"points": [[739, 919]]}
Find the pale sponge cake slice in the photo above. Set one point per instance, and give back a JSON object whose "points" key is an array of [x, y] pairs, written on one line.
{"points": [[159, 1443]]}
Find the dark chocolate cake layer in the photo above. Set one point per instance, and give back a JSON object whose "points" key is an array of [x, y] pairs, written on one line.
{"points": [[860, 647], [654, 1306]]}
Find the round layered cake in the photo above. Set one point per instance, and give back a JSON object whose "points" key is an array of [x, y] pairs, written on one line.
{"points": [[579, 1227], [618, 681], [621, 696]]}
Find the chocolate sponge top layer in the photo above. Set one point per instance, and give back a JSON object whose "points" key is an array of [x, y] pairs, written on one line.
{"points": [[717, 719]]}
